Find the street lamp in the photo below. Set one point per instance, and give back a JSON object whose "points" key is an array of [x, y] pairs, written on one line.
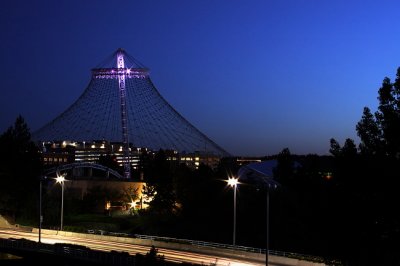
{"points": [[233, 182], [61, 179], [265, 179], [41, 179], [268, 187]]}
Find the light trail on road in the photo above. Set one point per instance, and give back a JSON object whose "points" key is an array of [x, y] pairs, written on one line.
{"points": [[132, 249]]}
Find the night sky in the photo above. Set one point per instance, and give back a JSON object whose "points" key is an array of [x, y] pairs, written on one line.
{"points": [[255, 76]]}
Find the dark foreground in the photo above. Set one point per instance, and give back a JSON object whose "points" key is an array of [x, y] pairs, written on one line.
{"points": [[43, 260], [25, 252]]}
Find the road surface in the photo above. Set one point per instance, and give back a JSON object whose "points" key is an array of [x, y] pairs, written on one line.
{"points": [[169, 254]]}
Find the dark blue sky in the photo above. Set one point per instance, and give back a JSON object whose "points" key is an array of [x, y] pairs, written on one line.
{"points": [[255, 76]]}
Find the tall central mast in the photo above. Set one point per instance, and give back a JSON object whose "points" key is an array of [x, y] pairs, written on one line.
{"points": [[124, 116]]}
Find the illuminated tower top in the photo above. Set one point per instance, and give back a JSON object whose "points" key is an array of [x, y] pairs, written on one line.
{"points": [[126, 65]]}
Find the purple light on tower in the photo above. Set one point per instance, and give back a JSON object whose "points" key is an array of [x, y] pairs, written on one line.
{"points": [[124, 118]]}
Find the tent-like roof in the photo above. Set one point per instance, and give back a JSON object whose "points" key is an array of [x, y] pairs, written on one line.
{"points": [[137, 111]]}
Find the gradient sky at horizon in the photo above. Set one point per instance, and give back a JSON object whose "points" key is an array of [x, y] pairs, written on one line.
{"points": [[255, 76]]}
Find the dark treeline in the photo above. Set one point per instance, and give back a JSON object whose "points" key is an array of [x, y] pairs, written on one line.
{"points": [[364, 192], [343, 206], [20, 165]]}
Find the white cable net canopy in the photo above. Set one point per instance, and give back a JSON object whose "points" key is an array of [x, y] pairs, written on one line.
{"points": [[151, 121]]}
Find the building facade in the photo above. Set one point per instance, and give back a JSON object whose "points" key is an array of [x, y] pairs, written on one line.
{"points": [[111, 154]]}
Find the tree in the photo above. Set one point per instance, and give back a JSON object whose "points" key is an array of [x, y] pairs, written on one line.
{"points": [[285, 168], [20, 167], [335, 149], [349, 148], [384, 128], [370, 134], [97, 196], [389, 113], [365, 185], [159, 179], [109, 161]]}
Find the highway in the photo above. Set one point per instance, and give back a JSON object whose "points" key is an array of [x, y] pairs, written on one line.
{"points": [[169, 254]]}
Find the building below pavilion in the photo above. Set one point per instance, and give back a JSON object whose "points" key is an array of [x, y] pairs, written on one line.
{"points": [[111, 153]]}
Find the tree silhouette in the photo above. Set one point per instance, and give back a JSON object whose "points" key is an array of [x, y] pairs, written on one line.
{"points": [[335, 149], [384, 128], [285, 168], [365, 184], [370, 134], [20, 167]]}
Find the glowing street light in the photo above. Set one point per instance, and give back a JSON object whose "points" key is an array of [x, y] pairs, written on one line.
{"points": [[61, 179], [233, 182]]}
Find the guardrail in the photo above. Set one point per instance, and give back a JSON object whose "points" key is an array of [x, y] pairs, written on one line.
{"points": [[291, 255], [201, 243], [233, 247], [183, 241], [219, 245]]}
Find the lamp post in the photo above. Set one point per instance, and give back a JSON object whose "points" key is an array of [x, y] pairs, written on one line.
{"points": [[267, 229], [41, 179], [266, 180], [61, 179], [233, 183], [40, 209]]}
